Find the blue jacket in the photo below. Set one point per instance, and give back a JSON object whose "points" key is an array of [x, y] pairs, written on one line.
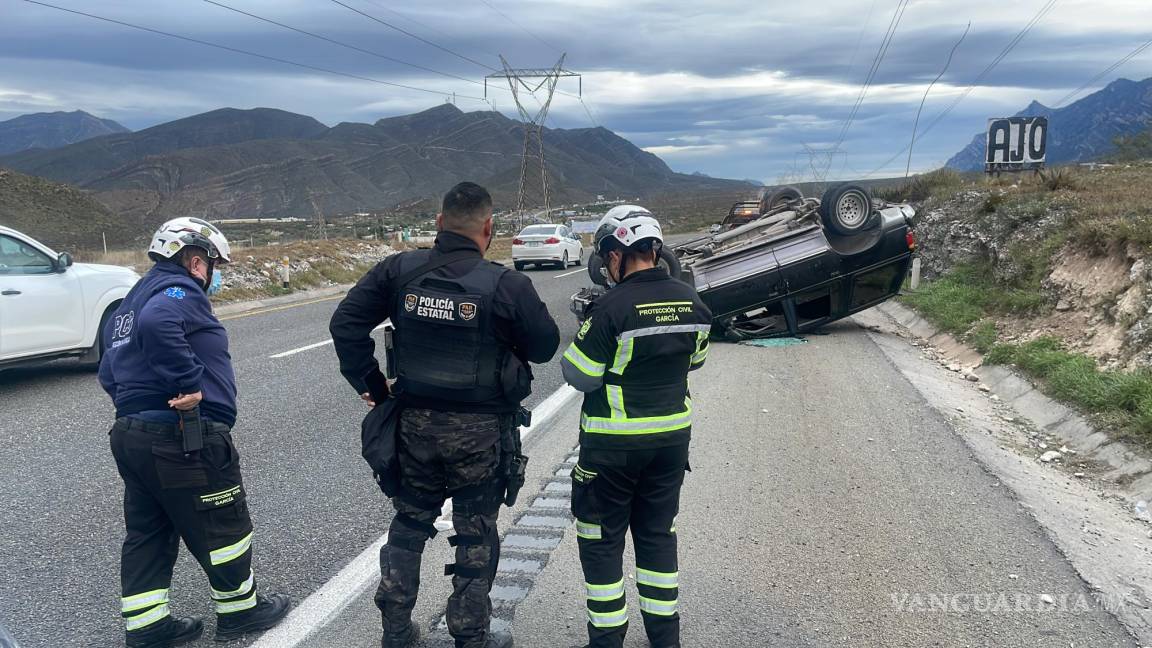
{"points": [[164, 340]]}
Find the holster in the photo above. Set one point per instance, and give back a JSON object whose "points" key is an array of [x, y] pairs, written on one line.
{"points": [[191, 430], [513, 461]]}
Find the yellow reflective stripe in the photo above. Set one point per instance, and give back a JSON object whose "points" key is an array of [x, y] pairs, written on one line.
{"points": [[664, 303], [148, 618], [656, 606], [143, 600], [608, 619], [232, 551], [615, 395], [236, 606], [583, 362], [623, 355], [673, 529], [665, 580], [701, 348], [588, 531], [604, 592], [638, 425], [240, 591]]}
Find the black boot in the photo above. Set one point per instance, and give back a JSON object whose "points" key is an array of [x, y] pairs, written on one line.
{"points": [[166, 633], [269, 611], [400, 636]]}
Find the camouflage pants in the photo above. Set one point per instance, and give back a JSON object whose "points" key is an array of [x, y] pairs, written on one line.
{"points": [[442, 455]]}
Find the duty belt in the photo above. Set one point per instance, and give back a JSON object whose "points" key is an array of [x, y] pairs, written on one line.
{"points": [[171, 429]]}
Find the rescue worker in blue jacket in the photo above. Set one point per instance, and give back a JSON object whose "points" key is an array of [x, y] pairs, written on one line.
{"points": [[167, 368], [631, 358], [465, 331]]}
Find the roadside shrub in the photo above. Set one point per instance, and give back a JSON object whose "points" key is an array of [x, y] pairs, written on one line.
{"points": [[921, 187], [1057, 178], [993, 202]]}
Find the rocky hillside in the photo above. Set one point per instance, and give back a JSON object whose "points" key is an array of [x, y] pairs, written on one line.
{"points": [[52, 130], [1081, 131], [1067, 257], [60, 215], [268, 163]]}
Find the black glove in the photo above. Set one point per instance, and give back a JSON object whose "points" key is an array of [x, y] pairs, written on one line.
{"points": [[377, 386]]}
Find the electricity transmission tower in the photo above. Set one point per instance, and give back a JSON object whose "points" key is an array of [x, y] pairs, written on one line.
{"points": [[531, 81]]}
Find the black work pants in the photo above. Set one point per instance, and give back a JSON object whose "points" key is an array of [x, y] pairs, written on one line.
{"points": [[613, 491], [168, 496], [445, 455]]}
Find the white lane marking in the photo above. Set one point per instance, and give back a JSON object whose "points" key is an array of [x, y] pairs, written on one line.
{"points": [[543, 412], [326, 603], [317, 345], [568, 274]]}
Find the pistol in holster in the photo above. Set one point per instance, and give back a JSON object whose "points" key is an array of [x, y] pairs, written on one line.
{"points": [[513, 459]]}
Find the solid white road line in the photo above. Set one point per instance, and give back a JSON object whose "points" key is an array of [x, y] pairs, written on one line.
{"points": [[568, 274], [326, 603], [317, 345]]}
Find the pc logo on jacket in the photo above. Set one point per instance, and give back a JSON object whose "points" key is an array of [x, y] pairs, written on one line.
{"points": [[409, 302]]}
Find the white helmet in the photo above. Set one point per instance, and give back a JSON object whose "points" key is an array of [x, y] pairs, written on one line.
{"points": [[179, 233], [627, 225]]}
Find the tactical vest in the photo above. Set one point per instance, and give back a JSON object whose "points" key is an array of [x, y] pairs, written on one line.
{"points": [[444, 342]]}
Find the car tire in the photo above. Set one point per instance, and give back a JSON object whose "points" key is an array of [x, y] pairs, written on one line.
{"points": [[519, 265], [580, 259], [670, 262], [595, 263], [92, 356], [847, 209], [564, 261], [778, 197]]}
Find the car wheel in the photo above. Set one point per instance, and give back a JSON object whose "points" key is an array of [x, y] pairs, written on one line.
{"points": [[580, 258], [564, 261], [595, 264], [92, 356], [667, 259], [778, 197], [519, 265], [847, 209]]}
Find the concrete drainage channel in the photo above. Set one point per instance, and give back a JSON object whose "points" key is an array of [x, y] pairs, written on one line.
{"points": [[525, 549]]}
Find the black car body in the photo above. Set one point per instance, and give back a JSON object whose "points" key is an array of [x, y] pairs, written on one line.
{"points": [[788, 272]]}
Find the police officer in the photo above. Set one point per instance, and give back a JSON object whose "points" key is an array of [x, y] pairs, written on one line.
{"points": [[465, 330], [166, 367], [631, 359]]}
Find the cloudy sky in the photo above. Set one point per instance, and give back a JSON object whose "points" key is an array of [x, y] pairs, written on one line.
{"points": [[729, 88]]}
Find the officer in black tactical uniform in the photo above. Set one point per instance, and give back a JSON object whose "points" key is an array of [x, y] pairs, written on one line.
{"points": [[465, 330], [631, 359]]}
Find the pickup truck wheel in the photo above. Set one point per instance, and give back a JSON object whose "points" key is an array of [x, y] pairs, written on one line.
{"points": [[778, 197], [595, 264], [847, 209], [668, 260]]}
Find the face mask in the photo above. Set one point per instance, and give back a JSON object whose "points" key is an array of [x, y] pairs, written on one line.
{"points": [[216, 283]]}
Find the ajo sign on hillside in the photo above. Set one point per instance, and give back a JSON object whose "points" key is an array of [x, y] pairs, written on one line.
{"points": [[1016, 144]]}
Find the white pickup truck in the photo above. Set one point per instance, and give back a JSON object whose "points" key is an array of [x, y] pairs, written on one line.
{"points": [[51, 307]]}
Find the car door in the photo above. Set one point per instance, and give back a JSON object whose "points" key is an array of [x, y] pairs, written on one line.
{"points": [[43, 310]]}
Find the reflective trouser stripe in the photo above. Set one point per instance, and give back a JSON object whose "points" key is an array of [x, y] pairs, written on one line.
{"points": [[588, 531], [582, 362], [240, 591], [623, 356], [604, 592], [608, 619], [665, 580], [147, 618], [236, 606], [232, 551], [615, 395], [656, 606], [143, 600]]}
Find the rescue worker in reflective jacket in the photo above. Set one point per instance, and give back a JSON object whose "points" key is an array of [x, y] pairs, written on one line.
{"points": [[465, 330], [631, 358], [167, 368]]}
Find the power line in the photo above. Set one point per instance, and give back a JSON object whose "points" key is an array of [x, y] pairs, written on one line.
{"points": [[1112, 68], [916, 123], [522, 27], [236, 50], [342, 44], [419, 38], [1044, 10], [430, 28]]}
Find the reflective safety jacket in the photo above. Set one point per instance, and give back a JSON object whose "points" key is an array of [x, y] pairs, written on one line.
{"points": [[631, 359]]}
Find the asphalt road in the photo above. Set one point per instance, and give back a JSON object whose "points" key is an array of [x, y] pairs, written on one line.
{"points": [[312, 501]]}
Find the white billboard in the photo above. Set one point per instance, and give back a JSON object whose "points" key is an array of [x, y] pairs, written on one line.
{"points": [[1016, 144]]}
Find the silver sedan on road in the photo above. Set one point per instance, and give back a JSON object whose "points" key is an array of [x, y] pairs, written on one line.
{"points": [[547, 244]]}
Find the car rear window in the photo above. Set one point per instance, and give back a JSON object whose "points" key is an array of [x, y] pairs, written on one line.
{"points": [[538, 230]]}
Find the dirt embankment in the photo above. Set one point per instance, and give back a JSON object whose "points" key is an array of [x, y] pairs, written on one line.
{"points": [[1070, 259]]}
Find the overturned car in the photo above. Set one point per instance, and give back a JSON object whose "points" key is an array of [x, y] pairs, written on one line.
{"points": [[801, 264]]}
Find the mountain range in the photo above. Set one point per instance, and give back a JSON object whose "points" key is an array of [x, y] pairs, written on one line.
{"points": [[1082, 131], [52, 130], [263, 162]]}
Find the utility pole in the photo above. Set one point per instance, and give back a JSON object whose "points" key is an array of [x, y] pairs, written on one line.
{"points": [[532, 80]]}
